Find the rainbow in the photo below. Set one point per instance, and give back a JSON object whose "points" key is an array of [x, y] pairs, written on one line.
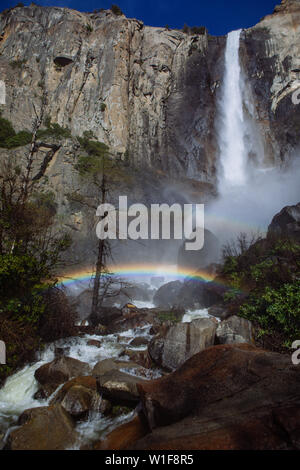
{"points": [[138, 271]]}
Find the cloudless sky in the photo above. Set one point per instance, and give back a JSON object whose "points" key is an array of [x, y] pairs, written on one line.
{"points": [[219, 16]]}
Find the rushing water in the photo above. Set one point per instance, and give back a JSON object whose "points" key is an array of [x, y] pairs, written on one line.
{"points": [[17, 394], [232, 145]]}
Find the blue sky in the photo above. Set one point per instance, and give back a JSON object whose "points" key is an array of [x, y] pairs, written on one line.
{"points": [[219, 16]]}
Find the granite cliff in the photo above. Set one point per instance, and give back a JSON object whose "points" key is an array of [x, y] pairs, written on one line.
{"points": [[150, 94]]}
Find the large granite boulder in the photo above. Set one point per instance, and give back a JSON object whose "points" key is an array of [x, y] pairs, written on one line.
{"points": [[107, 365], [167, 295], [179, 342], [225, 397], [234, 330], [44, 428], [60, 370], [78, 397], [119, 387], [123, 436]]}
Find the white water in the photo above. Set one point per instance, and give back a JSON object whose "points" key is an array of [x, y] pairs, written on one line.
{"points": [[249, 193], [17, 393], [233, 150], [191, 315]]}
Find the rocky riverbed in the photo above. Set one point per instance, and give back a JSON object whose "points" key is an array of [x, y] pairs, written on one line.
{"points": [[115, 387]]}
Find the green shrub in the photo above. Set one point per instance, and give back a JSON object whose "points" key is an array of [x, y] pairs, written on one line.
{"points": [[6, 131], [9, 138], [275, 311], [19, 140], [89, 28], [54, 130], [268, 272], [102, 107]]}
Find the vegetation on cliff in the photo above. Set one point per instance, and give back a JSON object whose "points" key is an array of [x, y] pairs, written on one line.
{"points": [[265, 288], [32, 309]]}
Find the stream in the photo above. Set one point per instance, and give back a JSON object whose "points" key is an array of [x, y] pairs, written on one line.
{"points": [[18, 392]]}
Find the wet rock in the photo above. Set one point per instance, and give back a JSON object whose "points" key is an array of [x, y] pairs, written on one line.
{"points": [[59, 352], [105, 407], [219, 311], [40, 394], [54, 373], [44, 428], [234, 330], [94, 342], [225, 397], [140, 357], [139, 341], [107, 365], [123, 436], [78, 396], [286, 223], [79, 400], [181, 341], [118, 386]]}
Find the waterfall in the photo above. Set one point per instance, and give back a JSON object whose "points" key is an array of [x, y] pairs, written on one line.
{"points": [[233, 153]]}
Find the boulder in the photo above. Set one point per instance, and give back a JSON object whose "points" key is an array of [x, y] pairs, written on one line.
{"points": [[232, 396], [86, 381], [61, 369], [107, 365], [119, 387], [219, 311], [79, 400], [286, 223], [167, 295], [78, 396], [199, 259], [105, 316], [139, 341], [139, 318], [141, 358], [94, 342], [44, 428], [234, 330], [123, 436], [181, 341], [192, 294]]}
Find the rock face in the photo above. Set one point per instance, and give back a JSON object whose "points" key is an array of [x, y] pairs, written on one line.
{"points": [[234, 330], [44, 428], [286, 223], [181, 341], [225, 397], [270, 52], [118, 78], [149, 93]]}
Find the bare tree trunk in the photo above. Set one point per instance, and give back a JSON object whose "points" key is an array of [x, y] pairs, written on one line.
{"points": [[100, 264], [36, 125]]}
